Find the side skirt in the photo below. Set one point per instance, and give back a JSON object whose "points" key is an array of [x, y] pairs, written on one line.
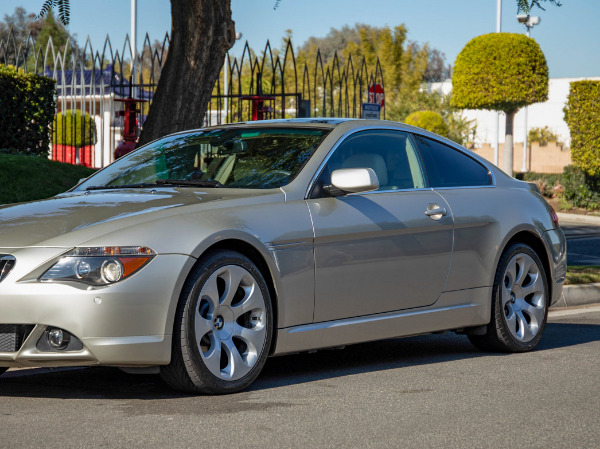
{"points": [[453, 310]]}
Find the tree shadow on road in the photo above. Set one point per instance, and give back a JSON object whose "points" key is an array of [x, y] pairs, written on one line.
{"points": [[110, 383]]}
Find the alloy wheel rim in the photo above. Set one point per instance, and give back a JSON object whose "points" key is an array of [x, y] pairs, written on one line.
{"points": [[523, 297], [230, 322]]}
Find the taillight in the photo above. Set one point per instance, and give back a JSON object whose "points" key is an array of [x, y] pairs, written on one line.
{"points": [[554, 216]]}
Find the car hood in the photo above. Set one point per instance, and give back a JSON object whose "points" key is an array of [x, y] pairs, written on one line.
{"points": [[41, 223]]}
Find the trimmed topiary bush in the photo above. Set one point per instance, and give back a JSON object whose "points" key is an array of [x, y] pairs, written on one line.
{"points": [[429, 120], [582, 114], [500, 71], [503, 72], [27, 106], [74, 128]]}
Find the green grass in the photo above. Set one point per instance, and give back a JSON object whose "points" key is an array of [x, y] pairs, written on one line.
{"points": [[577, 274], [28, 178]]}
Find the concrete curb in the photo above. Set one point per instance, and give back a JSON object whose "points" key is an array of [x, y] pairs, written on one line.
{"points": [[579, 295], [579, 218]]}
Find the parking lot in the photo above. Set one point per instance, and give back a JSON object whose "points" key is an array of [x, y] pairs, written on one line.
{"points": [[426, 391]]}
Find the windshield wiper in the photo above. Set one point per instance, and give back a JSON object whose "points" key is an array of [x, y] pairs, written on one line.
{"points": [[187, 182], [123, 186], [160, 183]]}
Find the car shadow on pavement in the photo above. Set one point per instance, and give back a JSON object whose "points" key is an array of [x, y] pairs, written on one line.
{"points": [[111, 383], [402, 352]]}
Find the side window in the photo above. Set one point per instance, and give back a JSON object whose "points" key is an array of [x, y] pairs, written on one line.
{"points": [[447, 167], [390, 154]]}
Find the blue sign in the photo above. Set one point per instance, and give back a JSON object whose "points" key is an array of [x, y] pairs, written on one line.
{"points": [[371, 111]]}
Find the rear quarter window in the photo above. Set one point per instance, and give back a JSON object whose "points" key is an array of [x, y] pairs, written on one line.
{"points": [[447, 167]]}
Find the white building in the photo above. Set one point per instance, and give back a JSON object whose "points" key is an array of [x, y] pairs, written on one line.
{"points": [[550, 113]]}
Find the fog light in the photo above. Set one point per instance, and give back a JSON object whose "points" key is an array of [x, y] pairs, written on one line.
{"points": [[58, 339]]}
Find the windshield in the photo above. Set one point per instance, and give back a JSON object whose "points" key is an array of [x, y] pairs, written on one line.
{"points": [[248, 158]]}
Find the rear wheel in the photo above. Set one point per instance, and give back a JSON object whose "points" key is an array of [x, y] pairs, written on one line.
{"points": [[519, 303], [223, 327]]}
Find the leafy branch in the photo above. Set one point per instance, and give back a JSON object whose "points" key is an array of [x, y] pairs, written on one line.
{"points": [[527, 5], [63, 6]]}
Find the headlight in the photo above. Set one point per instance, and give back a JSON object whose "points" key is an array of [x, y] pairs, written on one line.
{"points": [[101, 265]]}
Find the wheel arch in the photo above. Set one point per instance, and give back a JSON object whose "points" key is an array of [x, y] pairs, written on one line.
{"points": [[536, 243]]}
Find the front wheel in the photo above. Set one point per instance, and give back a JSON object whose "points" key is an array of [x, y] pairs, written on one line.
{"points": [[519, 303], [223, 327]]}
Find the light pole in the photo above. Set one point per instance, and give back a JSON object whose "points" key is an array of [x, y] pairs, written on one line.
{"points": [[529, 22], [238, 36], [133, 43], [497, 127]]}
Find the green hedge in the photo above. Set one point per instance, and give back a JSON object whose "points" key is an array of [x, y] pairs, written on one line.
{"points": [[74, 128], [499, 71], [582, 114], [429, 120], [27, 106]]}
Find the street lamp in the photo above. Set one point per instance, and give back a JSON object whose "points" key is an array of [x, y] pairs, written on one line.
{"points": [[529, 22]]}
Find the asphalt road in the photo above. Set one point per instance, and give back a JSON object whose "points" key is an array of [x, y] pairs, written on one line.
{"points": [[583, 243], [428, 391]]}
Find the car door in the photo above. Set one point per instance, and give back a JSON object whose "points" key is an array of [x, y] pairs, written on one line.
{"points": [[378, 251], [468, 187]]}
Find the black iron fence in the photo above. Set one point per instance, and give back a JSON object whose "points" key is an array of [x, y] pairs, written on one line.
{"points": [[274, 84]]}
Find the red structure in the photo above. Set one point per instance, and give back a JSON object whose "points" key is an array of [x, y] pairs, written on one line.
{"points": [[73, 155], [258, 101], [258, 105], [130, 130]]}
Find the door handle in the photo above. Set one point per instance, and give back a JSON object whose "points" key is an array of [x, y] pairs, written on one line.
{"points": [[435, 212]]}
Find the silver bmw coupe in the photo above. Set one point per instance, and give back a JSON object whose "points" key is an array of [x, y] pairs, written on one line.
{"points": [[205, 252]]}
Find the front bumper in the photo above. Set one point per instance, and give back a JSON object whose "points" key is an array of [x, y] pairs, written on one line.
{"points": [[125, 324]]}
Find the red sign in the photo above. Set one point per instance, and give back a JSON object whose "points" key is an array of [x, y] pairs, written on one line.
{"points": [[376, 94]]}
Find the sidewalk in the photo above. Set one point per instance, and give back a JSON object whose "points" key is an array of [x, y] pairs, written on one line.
{"points": [[578, 218], [579, 295]]}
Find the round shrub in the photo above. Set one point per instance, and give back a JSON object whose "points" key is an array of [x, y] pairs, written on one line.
{"points": [[74, 128], [429, 120], [499, 71]]}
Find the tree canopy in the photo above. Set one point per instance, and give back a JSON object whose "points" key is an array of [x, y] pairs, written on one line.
{"points": [[500, 71], [22, 26]]}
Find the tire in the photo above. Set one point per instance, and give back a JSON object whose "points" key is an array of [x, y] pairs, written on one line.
{"points": [[519, 303], [3, 370], [223, 326]]}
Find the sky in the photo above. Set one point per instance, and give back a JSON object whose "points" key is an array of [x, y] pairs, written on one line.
{"points": [[569, 35]]}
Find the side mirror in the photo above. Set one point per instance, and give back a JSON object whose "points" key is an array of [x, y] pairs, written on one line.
{"points": [[352, 180]]}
